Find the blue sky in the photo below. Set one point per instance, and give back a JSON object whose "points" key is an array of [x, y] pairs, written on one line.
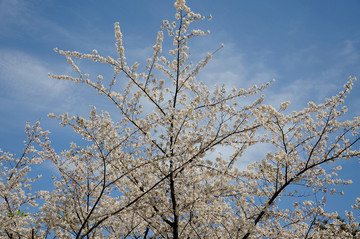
{"points": [[309, 47]]}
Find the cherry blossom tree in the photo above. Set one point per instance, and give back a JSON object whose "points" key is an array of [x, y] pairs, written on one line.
{"points": [[152, 172]]}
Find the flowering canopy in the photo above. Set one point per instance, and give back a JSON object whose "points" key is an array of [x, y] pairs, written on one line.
{"points": [[150, 174]]}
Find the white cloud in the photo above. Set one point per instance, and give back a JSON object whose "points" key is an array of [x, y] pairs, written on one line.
{"points": [[12, 9], [21, 18], [27, 77], [349, 48], [24, 82], [229, 67], [350, 52], [13, 15]]}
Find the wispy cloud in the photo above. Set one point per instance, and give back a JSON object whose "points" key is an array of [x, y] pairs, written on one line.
{"points": [[20, 19], [26, 76], [350, 51], [349, 48], [25, 83], [13, 11]]}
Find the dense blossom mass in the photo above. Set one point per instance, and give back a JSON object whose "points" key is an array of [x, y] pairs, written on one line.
{"points": [[152, 172]]}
